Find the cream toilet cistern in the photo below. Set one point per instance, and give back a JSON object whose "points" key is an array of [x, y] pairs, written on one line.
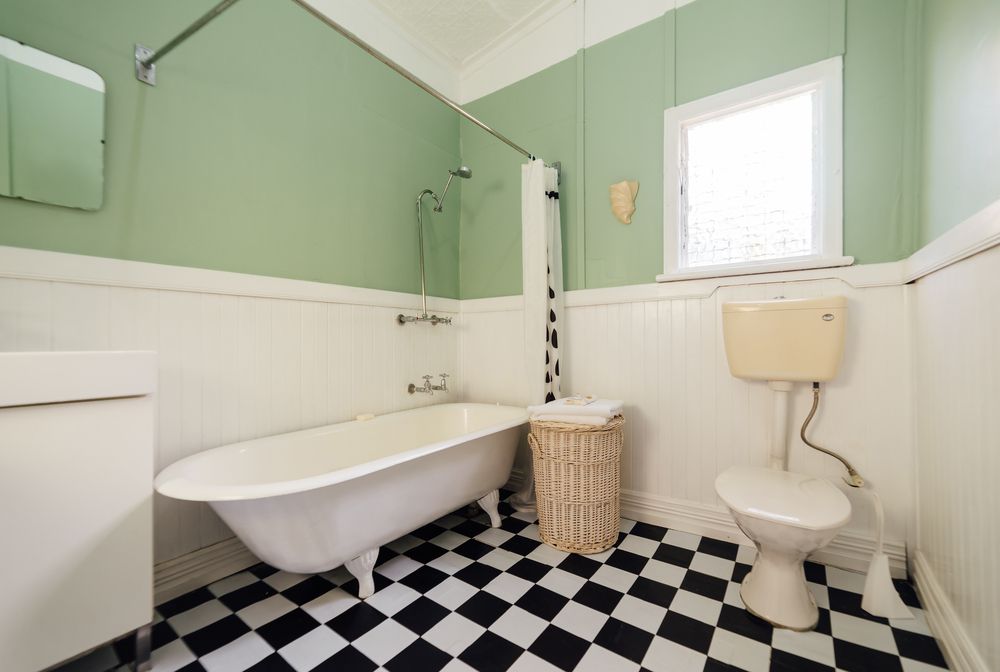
{"points": [[786, 341]]}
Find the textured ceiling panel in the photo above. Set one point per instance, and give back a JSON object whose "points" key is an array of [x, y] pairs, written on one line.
{"points": [[460, 29]]}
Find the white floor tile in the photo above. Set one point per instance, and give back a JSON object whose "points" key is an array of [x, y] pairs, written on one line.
{"points": [[748, 654], [508, 587], [383, 642], [917, 624], [819, 594], [451, 593], [599, 659], [237, 655], [449, 521], [746, 554], [580, 620], [392, 598], [494, 536], [640, 613], [265, 611], [330, 604], [284, 580], [449, 540], [713, 565], [449, 563], [625, 525], [811, 645], [663, 572], [519, 626], [313, 648], [615, 578], [172, 656], [531, 532], [917, 666], [398, 567], [231, 583], [529, 662], [403, 544], [732, 597], [457, 665], [500, 558], [667, 656], [454, 634], [640, 546], [204, 614], [682, 539], [562, 582], [862, 631], [547, 555], [696, 606], [844, 580]]}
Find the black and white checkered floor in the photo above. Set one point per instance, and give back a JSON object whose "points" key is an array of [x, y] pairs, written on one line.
{"points": [[459, 595]]}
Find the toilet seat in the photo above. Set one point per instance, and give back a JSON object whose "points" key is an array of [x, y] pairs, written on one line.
{"points": [[783, 497]]}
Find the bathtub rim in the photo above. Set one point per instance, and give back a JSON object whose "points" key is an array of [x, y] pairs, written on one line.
{"points": [[173, 483]]}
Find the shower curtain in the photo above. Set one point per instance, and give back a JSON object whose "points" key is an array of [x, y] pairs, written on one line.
{"points": [[541, 264]]}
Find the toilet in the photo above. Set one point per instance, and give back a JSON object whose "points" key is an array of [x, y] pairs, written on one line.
{"points": [[786, 515]]}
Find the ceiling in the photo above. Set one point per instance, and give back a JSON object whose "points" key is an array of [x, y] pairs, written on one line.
{"points": [[461, 30]]}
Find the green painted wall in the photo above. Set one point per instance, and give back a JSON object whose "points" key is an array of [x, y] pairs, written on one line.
{"points": [[270, 146], [623, 85], [961, 112], [4, 133]]}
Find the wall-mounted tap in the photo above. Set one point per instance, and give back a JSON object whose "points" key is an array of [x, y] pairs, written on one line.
{"points": [[427, 387]]}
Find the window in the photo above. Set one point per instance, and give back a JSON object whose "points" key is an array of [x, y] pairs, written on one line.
{"points": [[753, 177]]}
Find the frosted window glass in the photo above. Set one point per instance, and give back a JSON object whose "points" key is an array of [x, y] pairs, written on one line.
{"points": [[749, 183]]}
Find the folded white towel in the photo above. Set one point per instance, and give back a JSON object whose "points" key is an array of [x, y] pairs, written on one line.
{"points": [[595, 420], [606, 408]]}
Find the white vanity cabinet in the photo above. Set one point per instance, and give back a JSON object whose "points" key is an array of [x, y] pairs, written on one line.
{"points": [[76, 499]]}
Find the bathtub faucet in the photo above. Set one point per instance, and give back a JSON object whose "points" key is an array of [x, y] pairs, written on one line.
{"points": [[427, 387]]}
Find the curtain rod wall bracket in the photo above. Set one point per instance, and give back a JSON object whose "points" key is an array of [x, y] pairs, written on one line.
{"points": [[144, 73]]}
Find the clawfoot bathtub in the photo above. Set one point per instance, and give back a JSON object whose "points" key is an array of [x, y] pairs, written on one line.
{"points": [[312, 500]]}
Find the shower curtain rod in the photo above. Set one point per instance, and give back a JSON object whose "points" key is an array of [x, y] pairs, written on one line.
{"points": [[145, 64]]}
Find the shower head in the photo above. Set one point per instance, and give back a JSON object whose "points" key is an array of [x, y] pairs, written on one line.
{"points": [[462, 171]]}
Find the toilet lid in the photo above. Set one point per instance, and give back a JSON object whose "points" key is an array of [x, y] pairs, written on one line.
{"points": [[783, 497]]}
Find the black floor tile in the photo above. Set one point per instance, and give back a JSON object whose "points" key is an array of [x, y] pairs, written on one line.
{"points": [[686, 631], [711, 587], [918, 647], [216, 635], [560, 648], [542, 602], [624, 639], [483, 608], [356, 621], [675, 555], [421, 615], [854, 658], [287, 628], [491, 653], [419, 655], [598, 597], [722, 549]]}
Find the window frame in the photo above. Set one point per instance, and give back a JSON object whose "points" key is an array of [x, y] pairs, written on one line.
{"points": [[826, 79]]}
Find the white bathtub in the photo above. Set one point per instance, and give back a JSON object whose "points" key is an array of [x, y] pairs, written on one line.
{"points": [[310, 501]]}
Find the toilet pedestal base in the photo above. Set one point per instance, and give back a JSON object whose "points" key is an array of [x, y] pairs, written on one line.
{"points": [[775, 590]]}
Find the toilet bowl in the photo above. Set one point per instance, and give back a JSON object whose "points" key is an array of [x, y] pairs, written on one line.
{"points": [[787, 516]]}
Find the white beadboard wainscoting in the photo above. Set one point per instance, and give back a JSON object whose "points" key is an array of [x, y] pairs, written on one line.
{"points": [[688, 419], [234, 363], [956, 320]]}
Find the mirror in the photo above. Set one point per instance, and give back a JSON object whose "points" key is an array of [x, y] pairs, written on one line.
{"points": [[51, 128]]}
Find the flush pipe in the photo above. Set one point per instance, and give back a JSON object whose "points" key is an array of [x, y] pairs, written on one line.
{"points": [[779, 428]]}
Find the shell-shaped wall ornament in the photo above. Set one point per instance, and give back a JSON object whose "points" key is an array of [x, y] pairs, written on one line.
{"points": [[623, 199]]}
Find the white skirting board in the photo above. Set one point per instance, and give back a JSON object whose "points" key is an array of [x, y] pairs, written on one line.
{"points": [[957, 646], [172, 578], [849, 550]]}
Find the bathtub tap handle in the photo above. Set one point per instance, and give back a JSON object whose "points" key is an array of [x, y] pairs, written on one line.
{"points": [[426, 387], [443, 387]]}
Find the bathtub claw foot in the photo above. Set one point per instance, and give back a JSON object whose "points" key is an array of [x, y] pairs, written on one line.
{"points": [[361, 568], [489, 503]]}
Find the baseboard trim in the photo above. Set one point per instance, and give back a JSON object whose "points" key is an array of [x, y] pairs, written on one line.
{"points": [[172, 578], [850, 551], [958, 648]]}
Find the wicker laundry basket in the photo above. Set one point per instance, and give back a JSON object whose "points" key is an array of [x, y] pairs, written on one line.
{"points": [[578, 483]]}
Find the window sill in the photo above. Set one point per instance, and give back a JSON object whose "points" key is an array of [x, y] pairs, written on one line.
{"points": [[755, 269]]}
